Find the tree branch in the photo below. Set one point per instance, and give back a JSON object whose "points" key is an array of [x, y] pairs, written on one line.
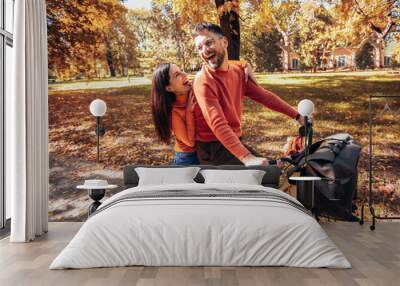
{"points": [[389, 25], [244, 19], [379, 31], [292, 23]]}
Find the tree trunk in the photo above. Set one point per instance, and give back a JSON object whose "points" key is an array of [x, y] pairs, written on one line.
{"points": [[378, 48], [110, 63], [285, 47], [230, 25], [315, 62], [353, 61], [110, 59], [285, 58], [179, 42], [124, 64]]}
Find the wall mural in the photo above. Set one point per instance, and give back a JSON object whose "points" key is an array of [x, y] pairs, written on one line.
{"points": [[337, 55]]}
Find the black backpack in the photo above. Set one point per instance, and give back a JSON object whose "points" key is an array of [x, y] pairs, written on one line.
{"points": [[334, 159]]}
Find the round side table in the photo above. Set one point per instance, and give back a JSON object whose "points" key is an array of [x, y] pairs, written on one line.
{"points": [[96, 193], [305, 190]]}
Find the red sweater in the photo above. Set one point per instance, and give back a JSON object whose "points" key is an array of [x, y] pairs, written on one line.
{"points": [[218, 114]]}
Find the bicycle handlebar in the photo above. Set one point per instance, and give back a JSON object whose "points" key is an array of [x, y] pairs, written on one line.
{"points": [[283, 159]]}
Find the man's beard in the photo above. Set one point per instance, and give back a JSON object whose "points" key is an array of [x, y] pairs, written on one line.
{"points": [[219, 59]]}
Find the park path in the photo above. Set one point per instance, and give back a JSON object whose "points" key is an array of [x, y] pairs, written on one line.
{"points": [[99, 84], [138, 81]]}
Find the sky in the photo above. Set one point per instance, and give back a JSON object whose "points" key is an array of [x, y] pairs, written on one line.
{"points": [[138, 4]]}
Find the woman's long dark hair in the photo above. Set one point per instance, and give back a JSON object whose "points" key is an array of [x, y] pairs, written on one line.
{"points": [[162, 101]]}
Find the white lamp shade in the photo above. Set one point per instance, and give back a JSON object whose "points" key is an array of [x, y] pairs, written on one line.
{"points": [[305, 107], [98, 107]]}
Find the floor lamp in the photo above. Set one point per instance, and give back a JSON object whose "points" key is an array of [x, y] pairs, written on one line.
{"points": [[305, 184], [98, 108], [306, 109]]}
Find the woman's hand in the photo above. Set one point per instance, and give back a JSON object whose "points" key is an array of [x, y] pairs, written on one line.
{"points": [[301, 120], [248, 73]]}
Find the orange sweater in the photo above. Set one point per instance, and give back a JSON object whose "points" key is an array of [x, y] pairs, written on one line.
{"points": [[218, 112], [182, 124], [182, 120]]}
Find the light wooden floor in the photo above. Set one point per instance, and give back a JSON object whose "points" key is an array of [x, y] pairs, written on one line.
{"points": [[375, 257]]}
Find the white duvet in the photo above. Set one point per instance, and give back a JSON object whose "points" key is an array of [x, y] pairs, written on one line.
{"points": [[200, 231]]}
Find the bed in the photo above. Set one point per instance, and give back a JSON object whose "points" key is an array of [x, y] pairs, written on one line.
{"points": [[201, 224]]}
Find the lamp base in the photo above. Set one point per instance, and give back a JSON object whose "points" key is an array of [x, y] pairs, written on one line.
{"points": [[96, 195], [305, 193]]}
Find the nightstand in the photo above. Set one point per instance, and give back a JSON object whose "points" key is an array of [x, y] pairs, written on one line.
{"points": [[305, 190], [96, 191]]}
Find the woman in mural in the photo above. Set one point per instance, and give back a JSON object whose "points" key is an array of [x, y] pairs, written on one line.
{"points": [[173, 113], [172, 108]]}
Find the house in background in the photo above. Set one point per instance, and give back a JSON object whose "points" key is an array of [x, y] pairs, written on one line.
{"points": [[342, 58], [345, 57], [389, 57], [294, 61]]}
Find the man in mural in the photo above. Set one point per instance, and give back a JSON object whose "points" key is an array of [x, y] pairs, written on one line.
{"points": [[219, 89]]}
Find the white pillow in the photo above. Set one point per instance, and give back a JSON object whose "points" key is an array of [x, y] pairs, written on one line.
{"points": [[166, 176], [249, 177]]}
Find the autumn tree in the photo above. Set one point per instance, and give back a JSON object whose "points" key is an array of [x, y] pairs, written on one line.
{"points": [[371, 20], [225, 12], [87, 36], [268, 51], [365, 56], [120, 43], [178, 32], [316, 34], [280, 15], [72, 37], [228, 14], [163, 37], [140, 21]]}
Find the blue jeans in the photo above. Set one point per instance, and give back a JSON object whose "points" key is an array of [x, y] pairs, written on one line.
{"points": [[185, 158]]}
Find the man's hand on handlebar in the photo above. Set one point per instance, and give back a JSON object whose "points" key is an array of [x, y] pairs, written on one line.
{"points": [[281, 161], [251, 160]]}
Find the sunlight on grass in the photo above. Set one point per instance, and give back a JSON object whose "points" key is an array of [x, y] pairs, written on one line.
{"points": [[275, 80], [383, 78], [341, 106], [332, 79]]}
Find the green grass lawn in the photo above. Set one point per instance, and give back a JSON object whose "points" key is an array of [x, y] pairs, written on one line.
{"points": [[341, 101]]}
